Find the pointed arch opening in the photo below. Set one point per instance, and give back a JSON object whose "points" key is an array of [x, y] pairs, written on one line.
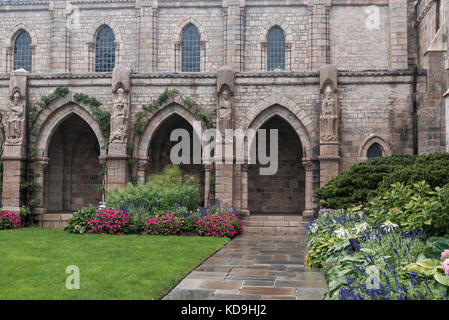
{"points": [[375, 151], [190, 49], [22, 54], [161, 146], [275, 49], [104, 49], [72, 173], [283, 192]]}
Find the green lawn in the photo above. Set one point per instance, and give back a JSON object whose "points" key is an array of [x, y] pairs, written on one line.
{"points": [[33, 264]]}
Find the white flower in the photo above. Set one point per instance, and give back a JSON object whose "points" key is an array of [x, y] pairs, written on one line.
{"points": [[314, 228], [389, 226], [342, 233], [360, 227], [101, 206]]}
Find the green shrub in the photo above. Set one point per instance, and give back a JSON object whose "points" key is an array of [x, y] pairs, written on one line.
{"points": [[415, 206], [160, 194], [78, 223], [433, 168], [364, 181]]}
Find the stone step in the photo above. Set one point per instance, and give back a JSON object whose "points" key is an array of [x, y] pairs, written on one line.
{"points": [[273, 223], [274, 217], [274, 230]]}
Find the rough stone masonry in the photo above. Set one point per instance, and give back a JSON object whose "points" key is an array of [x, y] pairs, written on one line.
{"points": [[356, 79]]}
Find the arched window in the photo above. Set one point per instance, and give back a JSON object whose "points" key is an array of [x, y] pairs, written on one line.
{"points": [[105, 50], [22, 51], [190, 50], [275, 49], [374, 151]]}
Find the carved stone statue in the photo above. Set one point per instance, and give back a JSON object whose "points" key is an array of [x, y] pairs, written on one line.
{"points": [[328, 117], [16, 119], [119, 117], [225, 110]]}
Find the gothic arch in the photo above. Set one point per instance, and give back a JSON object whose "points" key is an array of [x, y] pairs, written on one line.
{"points": [[263, 33], [9, 45], [91, 37], [49, 120], [287, 115], [177, 35], [291, 112], [170, 107], [363, 150]]}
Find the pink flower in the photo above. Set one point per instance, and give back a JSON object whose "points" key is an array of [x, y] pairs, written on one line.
{"points": [[444, 254], [445, 266]]}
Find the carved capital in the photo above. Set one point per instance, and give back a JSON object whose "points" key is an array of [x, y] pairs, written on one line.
{"points": [[244, 167], [208, 166], [307, 164], [41, 163], [142, 165]]}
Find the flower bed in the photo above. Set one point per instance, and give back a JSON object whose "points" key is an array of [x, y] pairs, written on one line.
{"points": [[9, 220], [202, 222], [109, 222], [364, 260], [221, 225]]}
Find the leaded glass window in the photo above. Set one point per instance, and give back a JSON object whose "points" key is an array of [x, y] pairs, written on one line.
{"points": [[275, 49], [191, 50], [22, 51], [374, 151], [105, 50]]}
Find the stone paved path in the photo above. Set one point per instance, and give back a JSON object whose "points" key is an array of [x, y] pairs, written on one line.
{"points": [[265, 262]]}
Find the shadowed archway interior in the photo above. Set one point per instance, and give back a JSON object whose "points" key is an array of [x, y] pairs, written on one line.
{"points": [[283, 192], [161, 146], [73, 168]]}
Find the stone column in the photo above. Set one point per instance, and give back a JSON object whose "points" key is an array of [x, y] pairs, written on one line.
{"points": [[234, 32], [308, 169], [40, 210], [58, 41], [319, 33], [15, 153], [147, 28], [207, 183], [224, 162], [117, 158], [329, 118], [398, 34], [244, 189], [142, 166]]}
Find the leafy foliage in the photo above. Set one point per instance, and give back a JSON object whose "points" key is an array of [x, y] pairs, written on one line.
{"points": [[413, 207], [79, 222], [354, 185], [365, 261], [159, 194], [367, 180]]}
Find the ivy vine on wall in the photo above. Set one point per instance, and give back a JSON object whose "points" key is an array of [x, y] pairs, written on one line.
{"points": [[158, 103]]}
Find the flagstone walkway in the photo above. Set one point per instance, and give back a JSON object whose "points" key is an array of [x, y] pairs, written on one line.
{"points": [[265, 262]]}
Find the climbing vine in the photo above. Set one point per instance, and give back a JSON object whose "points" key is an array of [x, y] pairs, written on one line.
{"points": [[103, 118], [42, 104], [156, 104]]}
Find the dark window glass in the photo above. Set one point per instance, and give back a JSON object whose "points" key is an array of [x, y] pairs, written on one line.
{"points": [[191, 50], [374, 152], [105, 50], [275, 49], [22, 51]]}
